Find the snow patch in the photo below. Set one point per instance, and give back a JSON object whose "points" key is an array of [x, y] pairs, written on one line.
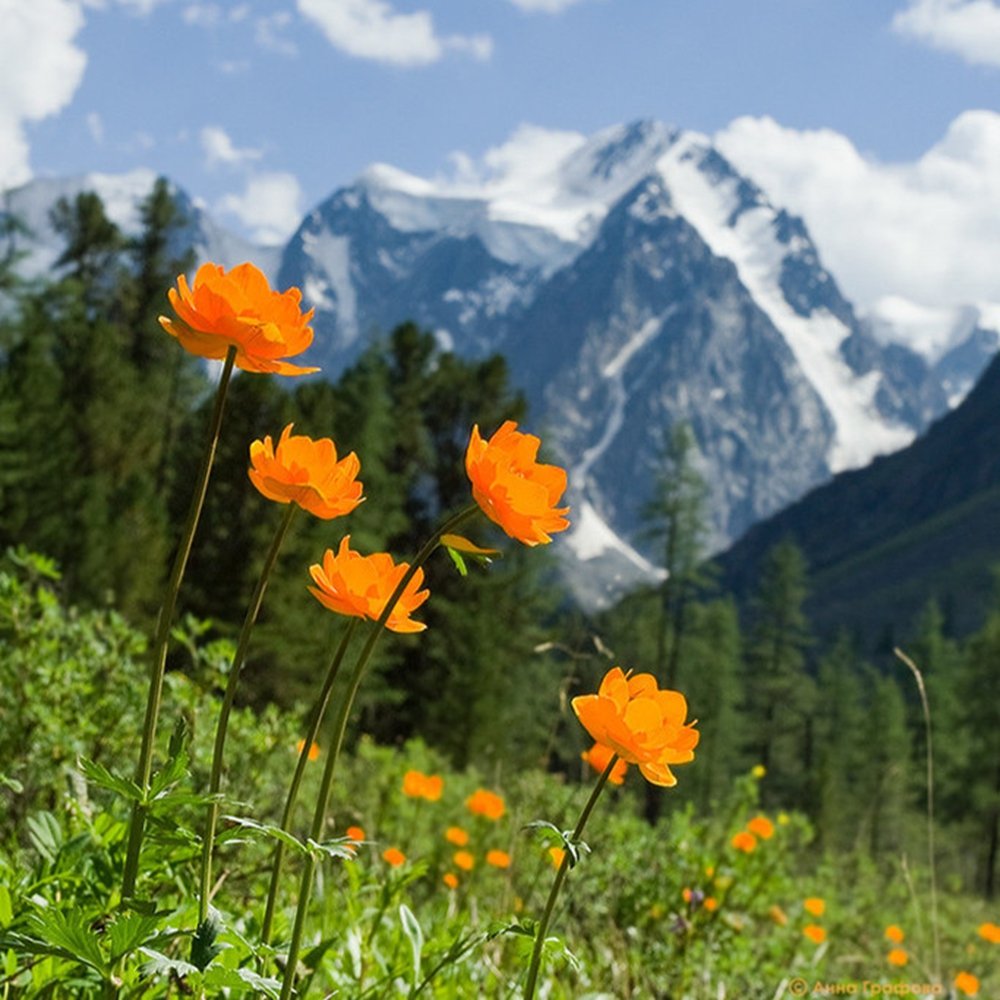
{"points": [[591, 537], [332, 256]]}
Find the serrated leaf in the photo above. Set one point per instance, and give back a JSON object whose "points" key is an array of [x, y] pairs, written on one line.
{"points": [[98, 774], [128, 932], [175, 770], [272, 831], [71, 935], [343, 848], [159, 964], [222, 978], [204, 946], [413, 932], [44, 834]]}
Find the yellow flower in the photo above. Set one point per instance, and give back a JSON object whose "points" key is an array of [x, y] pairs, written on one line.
{"points": [[498, 858], [239, 309], [417, 785], [456, 835], [352, 584], [897, 956], [762, 827], [814, 905], [599, 756], [556, 855], [641, 723], [758, 771], [484, 803], [514, 490], [464, 860], [967, 983], [744, 841], [306, 472], [393, 856], [815, 933]]}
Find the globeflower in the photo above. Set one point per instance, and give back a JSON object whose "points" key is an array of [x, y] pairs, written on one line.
{"points": [[456, 835], [897, 956], [306, 472], [352, 584], [239, 309], [990, 932], [313, 749], [498, 858], [512, 488], [744, 841], [599, 756], [484, 803], [967, 983], [464, 860], [417, 785], [894, 933], [815, 933], [814, 905], [641, 723], [393, 857], [762, 827]]}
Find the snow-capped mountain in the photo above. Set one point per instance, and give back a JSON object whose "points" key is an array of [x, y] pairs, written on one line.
{"points": [[633, 279]]}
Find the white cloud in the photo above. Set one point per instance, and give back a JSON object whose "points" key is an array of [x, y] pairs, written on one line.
{"points": [[95, 126], [548, 6], [373, 29], [219, 149], [40, 70], [967, 28], [927, 230], [202, 15], [270, 206]]}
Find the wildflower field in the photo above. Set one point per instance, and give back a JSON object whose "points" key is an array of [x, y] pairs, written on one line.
{"points": [[491, 799]]}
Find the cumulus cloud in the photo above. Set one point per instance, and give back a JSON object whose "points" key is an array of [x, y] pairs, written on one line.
{"points": [[548, 6], [40, 70], [373, 29], [927, 230], [219, 148], [270, 206], [967, 28]]}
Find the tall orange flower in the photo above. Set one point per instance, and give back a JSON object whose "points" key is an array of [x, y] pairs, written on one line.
{"points": [[484, 803], [744, 841], [498, 858], [306, 472], [967, 983], [894, 933], [360, 586], [239, 309], [815, 933], [814, 905], [417, 785], [512, 488], [990, 932], [598, 757], [641, 723], [761, 826]]}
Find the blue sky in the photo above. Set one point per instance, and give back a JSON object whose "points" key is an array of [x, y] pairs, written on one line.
{"points": [[262, 108]]}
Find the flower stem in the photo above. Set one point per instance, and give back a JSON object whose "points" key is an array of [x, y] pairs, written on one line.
{"points": [[162, 637], [550, 904], [239, 657], [340, 727], [293, 788]]}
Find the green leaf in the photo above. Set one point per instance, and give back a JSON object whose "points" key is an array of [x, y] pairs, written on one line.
{"points": [[411, 928], [342, 847], [70, 936], [6, 907], [272, 831], [98, 774], [204, 946], [175, 770], [456, 558], [159, 964], [221, 978], [45, 835], [128, 932]]}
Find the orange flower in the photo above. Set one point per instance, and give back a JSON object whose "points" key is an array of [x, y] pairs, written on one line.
{"points": [[352, 584], [497, 858], [686, 894], [711, 903], [512, 488], [393, 856], [456, 835], [897, 956], [640, 723], [599, 756], [313, 749], [815, 933], [556, 854], [967, 983], [814, 905], [355, 833], [306, 472], [239, 309], [744, 841], [464, 860], [894, 934], [762, 827], [417, 785], [450, 879], [484, 803], [990, 932]]}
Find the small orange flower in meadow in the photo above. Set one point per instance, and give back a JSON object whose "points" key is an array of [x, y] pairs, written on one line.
{"points": [[897, 956], [513, 489], [355, 833], [990, 932], [894, 934], [484, 803], [417, 785], [393, 856], [762, 827], [313, 749], [815, 933], [744, 841], [306, 472], [464, 860], [711, 903], [967, 983], [778, 915], [686, 894], [450, 879], [599, 756], [556, 855], [456, 835], [498, 858], [360, 586], [814, 905], [641, 723], [239, 309]]}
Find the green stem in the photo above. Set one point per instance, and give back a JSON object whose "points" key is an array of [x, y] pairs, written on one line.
{"points": [[300, 767], [340, 727], [550, 904], [162, 637], [239, 657]]}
